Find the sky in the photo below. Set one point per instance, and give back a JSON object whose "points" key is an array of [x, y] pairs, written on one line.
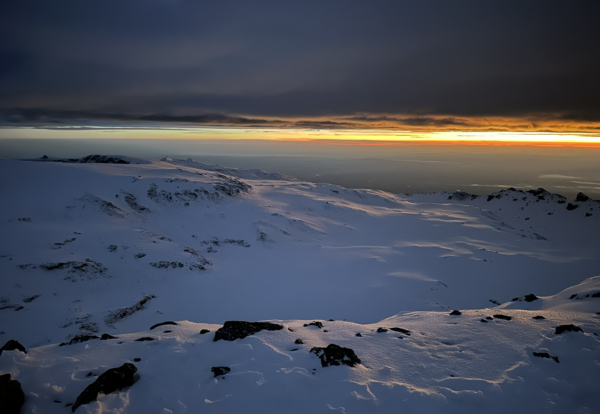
{"points": [[411, 66]]}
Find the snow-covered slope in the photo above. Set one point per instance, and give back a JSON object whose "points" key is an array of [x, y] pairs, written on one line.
{"points": [[90, 248]]}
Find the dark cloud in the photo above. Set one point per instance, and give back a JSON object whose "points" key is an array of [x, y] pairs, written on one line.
{"points": [[434, 63]]}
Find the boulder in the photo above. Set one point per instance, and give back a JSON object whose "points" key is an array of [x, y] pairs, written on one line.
{"points": [[163, 323], [233, 330], [220, 371], [12, 396], [504, 317], [456, 312], [317, 324], [567, 328], [12, 345], [110, 381], [336, 355]]}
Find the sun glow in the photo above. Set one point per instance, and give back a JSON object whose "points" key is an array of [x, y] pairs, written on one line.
{"points": [[330, 136]]}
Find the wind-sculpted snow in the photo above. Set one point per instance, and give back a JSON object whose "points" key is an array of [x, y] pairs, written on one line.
{"points": [[96, 251]]}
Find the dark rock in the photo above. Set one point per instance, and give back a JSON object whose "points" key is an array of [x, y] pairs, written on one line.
{"points": [[490, 198], [380, 330], [456, 312], [164, 264], [582, 197], [290, 329], [163, 323], [574, 295], [12, 396], [112, 247], [31, 298], [527, 298], [483, 320], [122, 313], [571, 206], [298, 341], [140, 255], [317, 324], [106, 336], [404, 331], [220, 371], [596, 295], [330, 320], [567, 328], [336, 355], [503, 317], [167, 331], [79, 338], [110, 381], [90, 374], [538, 317], [144, 339], [102, 159], [489, 318], [204, 331], [233, 330], [545, 355], [294, 349], [588, 214], [25, 219], [137, 359], [12, 345], [358, 334]]}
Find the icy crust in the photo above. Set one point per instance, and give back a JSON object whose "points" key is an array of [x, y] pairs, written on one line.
{"points": [[448, 364], [93, 255], [584, 297]]}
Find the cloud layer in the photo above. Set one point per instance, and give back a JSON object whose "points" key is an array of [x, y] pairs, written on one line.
{"points": [[434, 64]]}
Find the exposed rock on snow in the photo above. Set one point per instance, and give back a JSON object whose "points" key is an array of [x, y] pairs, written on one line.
{"points": [[88, 268], [163, 323], [335, 355], [145, 339], [131, 200], [503, 317], [204, 331], [120, 314], [233, 330], [220, 371], [12, 345], [527, 298], [316, 323], [545, 355], [110, 381], [104, 206], [79, 338], [456, 313], [567, 328], [12, 396]]}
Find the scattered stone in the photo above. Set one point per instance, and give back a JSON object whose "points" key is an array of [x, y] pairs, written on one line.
{"points": [[144, 339], [122, 313], [139, 255], [298, 341], [25, 219], [335, 355], [527, 298], [567, 328], [137, 359], [79, 338], [233, 330], [31, 298], [110, 381], [132, 202], [165, 264], [503, 317], [220, 371], [106, 336], [317, 324], [495, 302], [204, 331], [381, 330], [12, 396], [112, 247], [538, 317], [456, 312], [163, 323], [12, 345], [404, 331], [545, 355]]}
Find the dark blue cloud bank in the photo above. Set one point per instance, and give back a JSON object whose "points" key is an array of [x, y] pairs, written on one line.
{"points": [[433, 63]]}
